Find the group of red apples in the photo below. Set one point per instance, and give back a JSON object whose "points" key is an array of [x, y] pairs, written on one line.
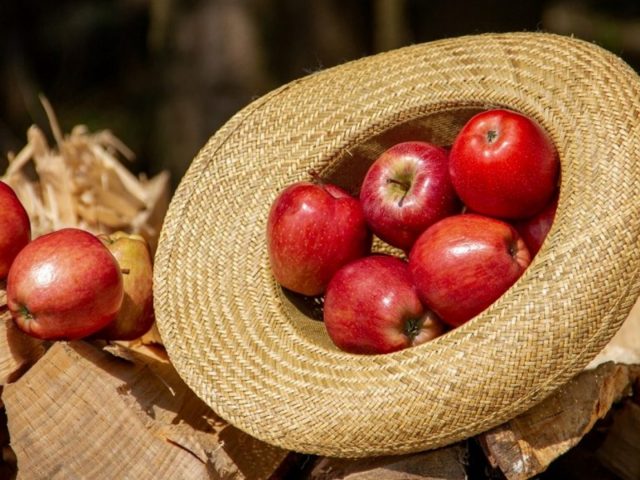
{"points": [[71, 284], [469, 219]]}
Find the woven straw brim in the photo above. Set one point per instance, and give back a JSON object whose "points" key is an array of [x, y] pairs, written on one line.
{"points": [[266, 366]]}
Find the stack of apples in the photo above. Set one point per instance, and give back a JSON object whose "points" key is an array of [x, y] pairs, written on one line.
{"points": [[468, 218], [72, 284]]}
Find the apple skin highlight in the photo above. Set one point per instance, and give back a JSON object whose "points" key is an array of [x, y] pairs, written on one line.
{"points": [[312, 231], [64, 285], [406, 190], [503, 164], [372, 306], [464, 263]]}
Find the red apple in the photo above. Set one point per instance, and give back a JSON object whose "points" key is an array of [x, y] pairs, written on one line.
{"points": [[464, 263], [372, 306], [535, 229], [15, 228], [135, 315], [314, 229], [503, 164], [406, 190], [64, 285]]}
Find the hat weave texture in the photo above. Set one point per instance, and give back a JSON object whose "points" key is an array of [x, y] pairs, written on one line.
{"points": [[257, 356]]}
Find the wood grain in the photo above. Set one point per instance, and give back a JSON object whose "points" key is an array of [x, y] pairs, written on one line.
{"points": [[81, 412]]}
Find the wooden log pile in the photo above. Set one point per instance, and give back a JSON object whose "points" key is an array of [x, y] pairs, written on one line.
{"points": [[92, 409], [102, 413], [99, 410]]}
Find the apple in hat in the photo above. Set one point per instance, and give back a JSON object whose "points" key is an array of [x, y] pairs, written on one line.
{"points": [[64, 285], [503, 164], [15, 228], [371, 306], [464, 263], [313, 229], [406, 190], [136, 314], [535, 229]]}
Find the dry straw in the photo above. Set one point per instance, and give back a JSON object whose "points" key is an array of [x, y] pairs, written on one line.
{"points": [[80, 181], [263, 364]]}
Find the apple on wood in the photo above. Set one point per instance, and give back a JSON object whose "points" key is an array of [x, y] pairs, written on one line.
{"points": [[372, 306], [65, 285], [464, 263], [406, 190], [313, 229], [503, 164], [15, 228], [135, 315]]}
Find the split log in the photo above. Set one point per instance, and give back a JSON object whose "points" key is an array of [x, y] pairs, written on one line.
{"points": [[620, 451], [18, 351], [527, 444], [81, 412], [442, 464]]}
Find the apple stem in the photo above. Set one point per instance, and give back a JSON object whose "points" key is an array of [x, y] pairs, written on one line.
{"points": [[125, 271], [491, 136], [316, 178], [404, 185]]}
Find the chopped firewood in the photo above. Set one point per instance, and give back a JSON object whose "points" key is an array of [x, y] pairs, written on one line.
{"points": [[18, 351], [81, 182], [442, 464], [580, 463], [527, 444], [81, 412], [620, 451]]}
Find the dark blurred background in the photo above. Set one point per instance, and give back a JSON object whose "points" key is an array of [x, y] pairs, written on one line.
{"points": [[163, 75]]}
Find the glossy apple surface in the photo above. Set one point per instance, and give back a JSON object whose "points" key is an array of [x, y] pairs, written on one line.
{"points": [[464, 263], [371, 306], [503, 164], [406, 190], [64, 285], [312, 231], [135, 315], [15, 228], [535, 229]]}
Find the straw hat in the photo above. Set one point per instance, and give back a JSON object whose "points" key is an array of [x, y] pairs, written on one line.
{"points": [[260, 359]]}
